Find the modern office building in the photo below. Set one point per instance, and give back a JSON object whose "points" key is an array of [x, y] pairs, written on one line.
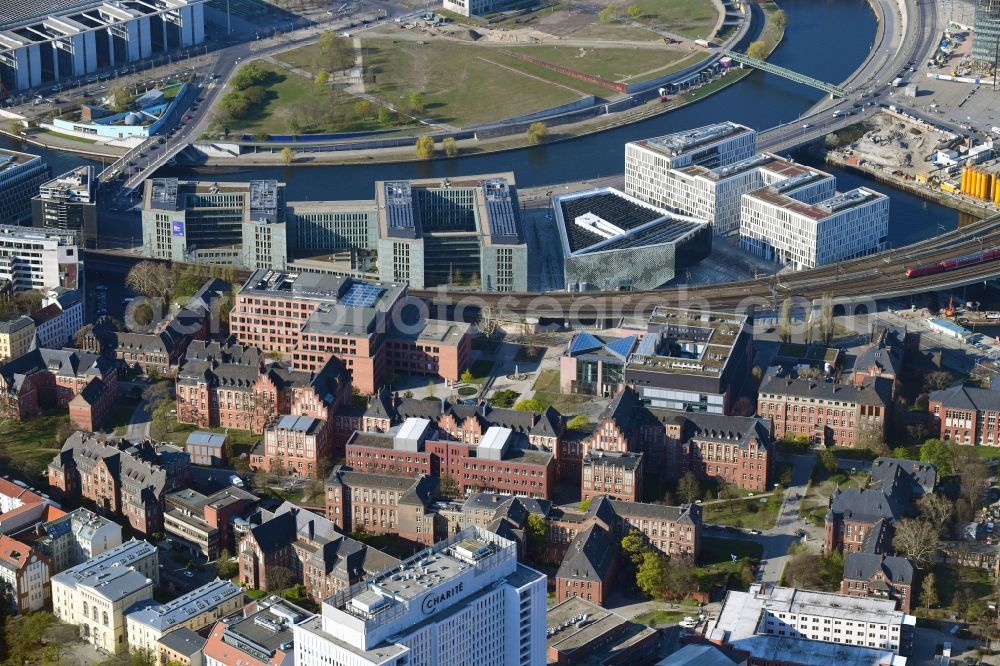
{"points": [[21, 174], [474, 7], [76, 537], [648, 162], [41, 44], [38, 259], [785, 625], [986, 32], [369, 326], [715, 193], [148, 622], [612, 241], [690, 360], [464, 600], [96, 593], [69, 203], [777, 226], [443, 232], [203, 524], [594, 364], [241, 224]]}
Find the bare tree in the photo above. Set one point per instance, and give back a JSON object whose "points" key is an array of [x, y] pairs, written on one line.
{"points": [[937, 510], [785, 320], [688, 488], [917, 539], [279, 578], [151, 278]]}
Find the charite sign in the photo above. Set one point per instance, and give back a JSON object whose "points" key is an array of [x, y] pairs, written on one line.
{"points": [[432, 601]]}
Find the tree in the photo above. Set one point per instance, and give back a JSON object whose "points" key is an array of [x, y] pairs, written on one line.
{"points": [[336, 50], [537, 132], [260, 479], [415, 101], [917, 539], [450, 146], [780, 19], [871, 438], [785, 320], [679, 580], [585, 503], [150, 278], [937, 453], [80, 337], [938, 380], [689, 488], [425, 147], [633, 12], [804, 570], [726, 491], [831, 140], [142, 657], [534, 536], [121, 98], [928, 592], [758, 49], [651, 574], [322, 79], [467, 376], [251, 74], [810, 373], [447, 485], [385, 116], [826, 318], [529, 405], [973, 473], [363, 108], [279, 578], [578, 422], [937, 510], [608, 15], [634, 547], [504, 398], [226, 566], [287, 156], [431, 388]]}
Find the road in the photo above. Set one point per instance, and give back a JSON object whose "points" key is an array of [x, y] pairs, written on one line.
{"points": [[777, 540], [138, 423]]}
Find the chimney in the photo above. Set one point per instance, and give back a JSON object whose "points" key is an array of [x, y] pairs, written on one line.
{"points": [[311, 530]]}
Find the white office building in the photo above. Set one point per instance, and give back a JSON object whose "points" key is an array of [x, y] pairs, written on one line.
{"points": [[41, 43], [21, 174], [463, 601], [779, 227], [76, 537], [787, 625], [195, 610], [95, 594], [652, 166], [38, 259]]}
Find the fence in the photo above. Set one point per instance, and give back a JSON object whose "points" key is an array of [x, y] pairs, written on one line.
{"points": [[589, 78]]}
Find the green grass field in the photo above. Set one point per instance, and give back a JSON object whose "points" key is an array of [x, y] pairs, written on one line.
{"points": [[27, 448], [688, 18], [614, 64], [749, 513], [546, 390], [459, 85]]}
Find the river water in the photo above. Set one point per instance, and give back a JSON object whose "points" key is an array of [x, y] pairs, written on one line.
{"points": [[825, 39]]}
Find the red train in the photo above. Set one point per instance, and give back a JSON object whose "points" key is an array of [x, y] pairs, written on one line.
{"points": [[952, 264]]}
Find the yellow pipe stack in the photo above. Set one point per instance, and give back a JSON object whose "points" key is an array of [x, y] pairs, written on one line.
{"points": [[980, 184]]}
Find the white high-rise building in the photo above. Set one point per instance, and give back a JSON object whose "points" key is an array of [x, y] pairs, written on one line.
{"points": [[780, 227], [463, 601], [38, 259], [663, 170]]}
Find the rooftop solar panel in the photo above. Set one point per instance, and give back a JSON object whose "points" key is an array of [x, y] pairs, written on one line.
{"points": [[361, 295], [399, 205], [500, 211]]}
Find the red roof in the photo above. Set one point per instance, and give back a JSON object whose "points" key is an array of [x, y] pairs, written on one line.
{"points": [[14, 552]]}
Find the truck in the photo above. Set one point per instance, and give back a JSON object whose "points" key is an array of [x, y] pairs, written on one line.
{"points": [[897, 82], [702, 43]]}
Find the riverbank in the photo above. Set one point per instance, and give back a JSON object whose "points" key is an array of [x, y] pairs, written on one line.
{"points": [[771, 33]]}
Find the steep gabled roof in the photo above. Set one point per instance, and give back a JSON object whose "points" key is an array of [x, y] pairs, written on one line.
{"points": [[862, 566], [590, 556], [549, 424]]}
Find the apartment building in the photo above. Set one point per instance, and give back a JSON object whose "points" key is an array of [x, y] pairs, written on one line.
{"points": [[121, 477], [76, 537], [369, 326], [16, 337], [615, 474], [465, 600], [879, 576], [965, 415], [778, 227], [382, 504], [182, 646], [786, 625], [502, 460], [147, 623], [827, 412], [96, 594]]}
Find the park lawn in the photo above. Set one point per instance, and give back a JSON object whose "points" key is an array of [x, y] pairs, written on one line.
{"points": [[738, 512], [715, 550], [288, 95], [614, 64], [675, 66], [661, 618], [950, 578], [546, 391], [458, 86], [617, 32], [694, 19], [165, 428], [27, 448]]}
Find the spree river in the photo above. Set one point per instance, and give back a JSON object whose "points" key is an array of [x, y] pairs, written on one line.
{"points": [[825, 39]]}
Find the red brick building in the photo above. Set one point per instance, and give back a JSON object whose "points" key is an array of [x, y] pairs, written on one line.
{"points": [[617, 475], [121, 478], [382, 504], [879, 576], [966, 415], [371, 327], [85, 384], [826, 412], [512, 466], [588, 569]]}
